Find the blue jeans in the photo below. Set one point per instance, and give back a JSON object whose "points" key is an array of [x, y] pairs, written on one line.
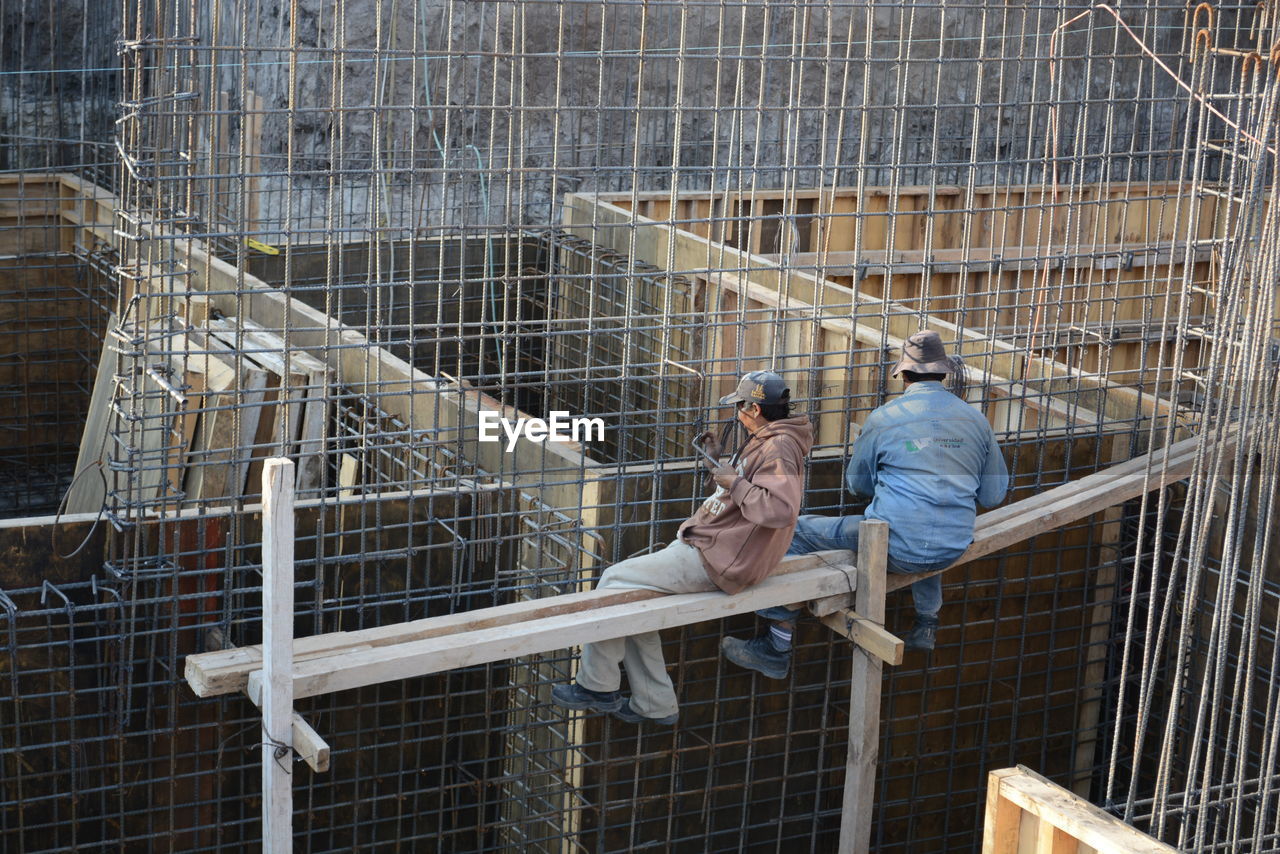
{"points": [[820, 533]]}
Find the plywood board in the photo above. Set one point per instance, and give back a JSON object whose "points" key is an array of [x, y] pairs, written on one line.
{"points": [[653, 242], [229, 414], [88, 489]]}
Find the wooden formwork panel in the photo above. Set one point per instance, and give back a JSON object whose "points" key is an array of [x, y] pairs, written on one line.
{"points": [[1027, 814], [1069, 274], [437, 411], [934, 217], [1019, 371], [625, 344], [542, 798], [48, 329], [833, 355]]}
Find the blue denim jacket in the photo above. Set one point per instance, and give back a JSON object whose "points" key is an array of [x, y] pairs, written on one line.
{"points": [[924, 458]]}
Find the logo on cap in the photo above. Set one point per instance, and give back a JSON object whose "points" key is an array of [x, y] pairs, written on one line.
{"points": [[758, 392]]}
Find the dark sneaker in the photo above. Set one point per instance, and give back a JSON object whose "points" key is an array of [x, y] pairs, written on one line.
{"points": [[757, 654], [631, 716], [923, 634], [779, 614], [571, 695]]}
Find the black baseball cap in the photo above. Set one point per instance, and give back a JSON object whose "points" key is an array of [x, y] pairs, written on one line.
{"points": [[763, 387]]}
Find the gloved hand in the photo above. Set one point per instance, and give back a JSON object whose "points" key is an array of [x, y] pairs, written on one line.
{"points": [[711, 445], [724, 476]]}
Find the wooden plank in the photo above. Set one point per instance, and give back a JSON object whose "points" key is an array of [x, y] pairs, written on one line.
{"points": [[602, 222], [872, 637], [184, 429], [227, 671], [251, 145], [315, 417], [277, 656], [293, 381], [1029, 825], [1002, 819], [307, 743], [1053, 840], [345, 670], [316, 378], [1105, 594], [222, 449], [154, 427], [1080, 819], [87, 492], [864, 693]]}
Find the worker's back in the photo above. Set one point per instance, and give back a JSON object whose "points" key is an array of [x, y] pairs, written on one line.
{"points": [[926, 458]]}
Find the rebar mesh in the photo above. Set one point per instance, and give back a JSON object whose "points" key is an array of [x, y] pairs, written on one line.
{"points": [[342, 231]]}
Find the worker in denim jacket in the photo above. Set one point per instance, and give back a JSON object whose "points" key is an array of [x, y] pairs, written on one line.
{"points": [[924, 459]]}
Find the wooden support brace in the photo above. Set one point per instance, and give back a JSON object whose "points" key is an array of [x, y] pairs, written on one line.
{"points": [[872, 637], [1002, 820], [307, 743]]}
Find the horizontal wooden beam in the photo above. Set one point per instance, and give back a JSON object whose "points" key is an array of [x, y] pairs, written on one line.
{"points": [[227, 671], [1144, 191], [986, 258], [870, 336], [485, 635], [318, 676], [594, 218]]}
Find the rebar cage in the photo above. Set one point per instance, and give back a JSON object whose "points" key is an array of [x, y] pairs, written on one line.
{"points": [[344, 231]]}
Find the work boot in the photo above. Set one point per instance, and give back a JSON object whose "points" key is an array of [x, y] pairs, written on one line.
{"points": [[923, 634], [779, 614], [631, 716], [757, 654], [571, 695]]}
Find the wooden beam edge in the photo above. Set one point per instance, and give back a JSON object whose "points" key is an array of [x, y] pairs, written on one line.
{"points": [[307, 743], [872, 637]]}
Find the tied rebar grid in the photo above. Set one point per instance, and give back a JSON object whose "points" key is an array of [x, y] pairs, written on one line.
{"points": [[59, 87], [454, 188], [1193, 748]]}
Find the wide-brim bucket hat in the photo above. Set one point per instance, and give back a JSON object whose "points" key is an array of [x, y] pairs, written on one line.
{"points": [[923, 353]]}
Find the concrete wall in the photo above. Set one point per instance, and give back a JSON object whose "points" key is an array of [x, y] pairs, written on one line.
{"points": [[476, 114]]}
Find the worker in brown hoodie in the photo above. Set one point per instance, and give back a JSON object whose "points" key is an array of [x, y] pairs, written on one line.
{"points": [[734, 540]]}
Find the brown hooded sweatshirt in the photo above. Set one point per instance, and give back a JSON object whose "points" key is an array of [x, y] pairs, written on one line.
{"points": [[744, 531]]}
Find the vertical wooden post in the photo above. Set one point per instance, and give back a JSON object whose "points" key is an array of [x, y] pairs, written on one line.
{"points": [[1104, 598], [1003, 818], [251, 143], [277, 656], [864, 694]]}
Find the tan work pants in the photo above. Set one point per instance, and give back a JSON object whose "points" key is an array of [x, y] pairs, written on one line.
{"points": [[675, 569]]}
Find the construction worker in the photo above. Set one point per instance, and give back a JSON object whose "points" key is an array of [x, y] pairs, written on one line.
{"points": [[924, 459], [734, 540]]}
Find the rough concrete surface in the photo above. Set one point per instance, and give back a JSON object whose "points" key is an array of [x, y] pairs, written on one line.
{"points": [[483, 113]]}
